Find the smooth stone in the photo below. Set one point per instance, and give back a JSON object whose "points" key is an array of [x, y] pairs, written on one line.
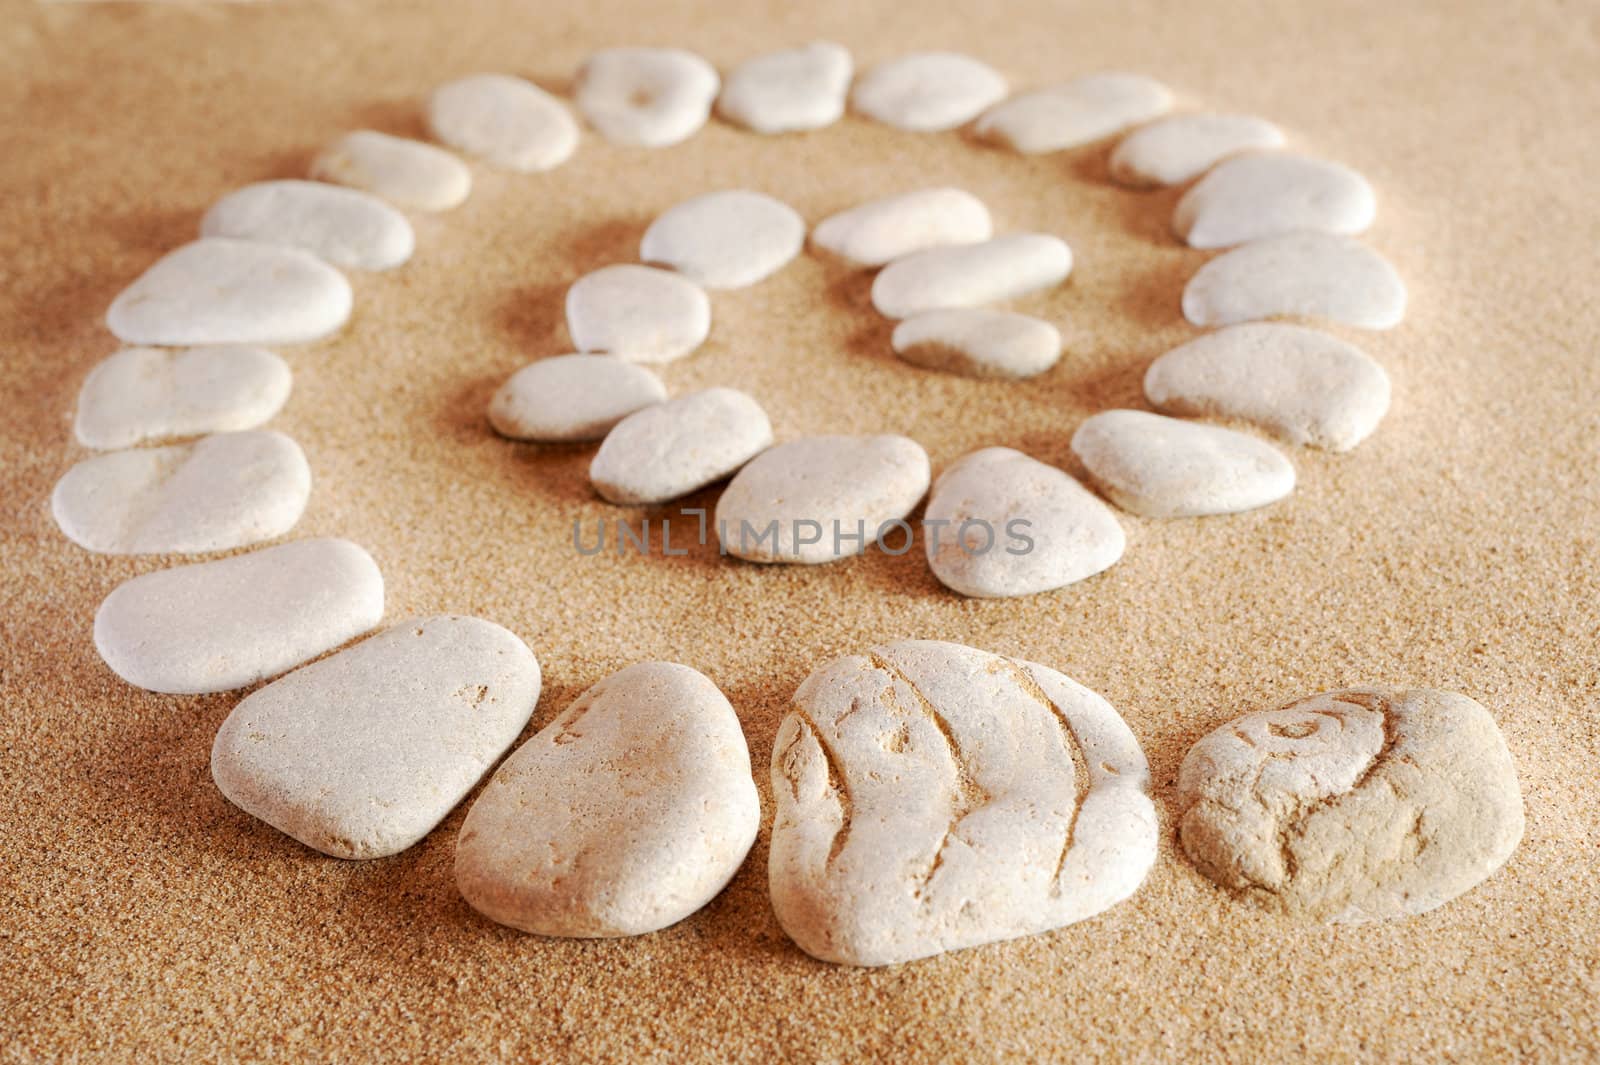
{"points": [[1311, 275], [646, 97], [1165, 468], [637, 313], [1173, 150], [1075, 113], [572, 398], [1306, 386], [503, 120], [217, 291], [346, 227], [673, 448], [968, 275], [725, 239], [842, 485], [882, 230], [978, 342], [627, 813], [927, 91], [1358, 805], [928, 801], [216, 626], [145, 395], [402, 171], [1015, 526], [789, 91], [361, 754], [220, 492], [1252, 197]]}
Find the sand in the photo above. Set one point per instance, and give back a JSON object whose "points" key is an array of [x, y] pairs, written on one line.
{"points": [[141, 915]]}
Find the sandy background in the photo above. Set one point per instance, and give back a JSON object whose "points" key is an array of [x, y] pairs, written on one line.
{"points": [[143, 915]]}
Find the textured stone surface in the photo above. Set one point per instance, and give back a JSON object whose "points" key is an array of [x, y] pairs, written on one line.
{"points": [[503, 120], [978, 342], [726, 239], [637, 313], [572, 398], [646, 97], [971, 274], [147, 395], [1072, 114], [788, 91], [927, 91], [881, 230], [402, 171], [346, 227], [1311, 275], [670, 449], [1179, 148], [1252, 197]]}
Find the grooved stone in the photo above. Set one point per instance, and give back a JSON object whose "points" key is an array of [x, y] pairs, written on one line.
{"points": [[646, 97], [145, 395]]}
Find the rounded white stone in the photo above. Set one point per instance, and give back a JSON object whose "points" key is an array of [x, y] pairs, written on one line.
{"points": [[637, 313], [673, 448], [217, 291], [572, 398], [1252, 197], [361, 754], [928, 800], [783, 92], [215, 626], [927, 91], [144, 395], [1166, 468], [646, 97], [1306, 386], [978, 342], [1077, 112], [726, 239], [402, 171], [968, 275], [220, 492], [503, 120], [1170, 151], [822, 498], [882, 230], [344, 226], [1313, 275], [627, 813]]}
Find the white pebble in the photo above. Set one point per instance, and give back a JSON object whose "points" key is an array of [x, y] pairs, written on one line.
{"points": [[1173, 150], [978, 342], [344, 226], [572, 398], [503, 120], [882, 230], [147, 395], [725, 239], [927, 91], [402, 171], [1252, 197], [1075, 113], [783, 92], [1312, 275], [646, 97], [971, 274], [673, 448], [637, 313]]}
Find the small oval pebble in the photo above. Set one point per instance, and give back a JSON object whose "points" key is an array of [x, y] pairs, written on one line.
{"points": [[637, 313], [725, 239], [795, 89], [220, 492], [978, 342], [1166, 468], [143, 395], [361, 754], [1350, 806], [217, 291], [882, 230], [646, 97], [503, 120], [671, 449], [822, 498], [627, 813], [572, 398], [1308, 387], [1015, 526], [928, 800], [1313, 275], [215, 626], [927, 91], [1173, 150], [971, 274], [1251, 197], [1078, 112], [344, 226], [402, 171]]}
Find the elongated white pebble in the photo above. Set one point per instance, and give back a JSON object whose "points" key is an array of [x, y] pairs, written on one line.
{"points": [[1252, 197], [978, 342], [572, 397], [361, 754], [726, 239], [149, 395], [402, 171], [882, 230], [1304, 385], [646, 97], [784, 92], [1170, 151], [1074, 113], [1313, 275], [344, 226], [503, 120], [637, 313], [927, 91], [217, 291], [1166, 468], [971, 274], [220, 492], [670, 449], [215, 626]]}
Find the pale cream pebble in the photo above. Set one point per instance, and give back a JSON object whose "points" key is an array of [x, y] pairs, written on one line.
{"points": [[1306, 386], [1309, 275], [822, 498], [637, 313], [345, 227], [726, 239], [969, 275], [789, 91], [882, 230], [503, 120], [1260, 195], [1359, 805], [1074, 113], [646, 97], [150, 395], [978, 342], [932, 797], [216, 626], [222, 491], [402, 171], [572, 398], [1162, 467], [673, 448], [627, 813], [1173, 150], [927, 92]]}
